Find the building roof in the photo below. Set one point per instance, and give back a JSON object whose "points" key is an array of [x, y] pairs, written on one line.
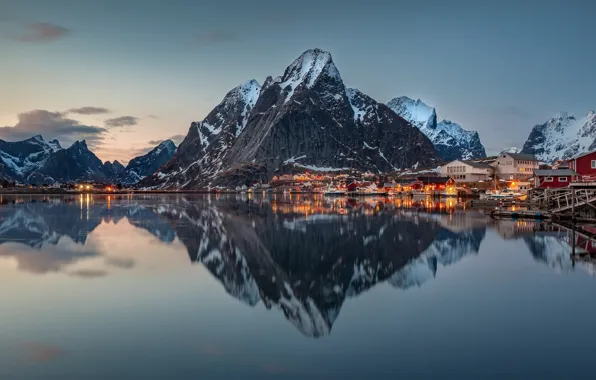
{"points": [[522, 156], [478, 165], [581, 155], [554, 173]]}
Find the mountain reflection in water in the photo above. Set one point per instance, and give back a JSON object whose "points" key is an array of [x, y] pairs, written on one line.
{"points": [[301, 255]]}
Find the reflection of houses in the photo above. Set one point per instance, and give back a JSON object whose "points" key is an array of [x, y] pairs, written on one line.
{"points": [[515, 166], [458, 221], [515, 229], [467, 171]]}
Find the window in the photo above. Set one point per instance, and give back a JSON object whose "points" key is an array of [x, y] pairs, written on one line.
{"points": [[548, 179], [562, 179], [593, 164], [511, 176]]}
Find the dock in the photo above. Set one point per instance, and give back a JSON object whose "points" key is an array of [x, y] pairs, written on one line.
{"points": [[521, 214]]}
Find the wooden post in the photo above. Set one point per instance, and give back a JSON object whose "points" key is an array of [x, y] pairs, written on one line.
{"points": [[573, 204]]}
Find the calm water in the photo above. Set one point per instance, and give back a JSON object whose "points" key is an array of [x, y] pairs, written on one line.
{"points": [[205, 287]]}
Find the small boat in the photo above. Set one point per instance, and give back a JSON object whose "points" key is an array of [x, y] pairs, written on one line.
{"points": [[503, 194], [334, 192]]}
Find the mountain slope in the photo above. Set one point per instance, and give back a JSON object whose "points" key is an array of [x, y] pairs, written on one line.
{"points": [[562, 137], [207, 142], [72, 164], [450, 139], [303, 118], [18, 160]]}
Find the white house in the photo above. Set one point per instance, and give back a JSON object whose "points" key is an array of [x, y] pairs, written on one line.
{"points": [[467, 171], [515, 166]]}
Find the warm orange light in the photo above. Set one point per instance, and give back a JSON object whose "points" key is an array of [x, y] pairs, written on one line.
{"points": [[109, 188]]}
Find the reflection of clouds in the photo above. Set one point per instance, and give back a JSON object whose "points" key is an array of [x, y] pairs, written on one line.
{"points": [[88, 273], [52, 258], [40, 352], [120, 262]]}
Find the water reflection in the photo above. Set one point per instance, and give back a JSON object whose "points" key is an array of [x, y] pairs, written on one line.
{"points": [[301, 255]]}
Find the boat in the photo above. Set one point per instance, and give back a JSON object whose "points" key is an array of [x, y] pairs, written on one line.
{"points": [[505, 194], [334, 192]]}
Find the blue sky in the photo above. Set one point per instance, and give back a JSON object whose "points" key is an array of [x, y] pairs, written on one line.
{"points": [[497, 67]]}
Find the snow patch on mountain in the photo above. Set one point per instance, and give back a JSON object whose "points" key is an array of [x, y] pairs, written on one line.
{"points": [[418, 113]]}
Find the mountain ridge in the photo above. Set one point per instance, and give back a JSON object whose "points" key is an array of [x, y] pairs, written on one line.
{"points": [[303, 118]]}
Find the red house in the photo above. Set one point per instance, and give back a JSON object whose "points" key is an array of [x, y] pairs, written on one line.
{"points": [[354, 186], [553, 179], [584, 165]]}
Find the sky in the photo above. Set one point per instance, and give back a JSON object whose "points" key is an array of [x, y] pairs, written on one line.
{"points": [[127, 74]]}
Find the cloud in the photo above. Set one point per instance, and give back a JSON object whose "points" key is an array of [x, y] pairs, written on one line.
{"points": [[217, 37], [177, 139], [89, 110], [42, 32], [122, 121], [40, 352], [52, 125], [153, 117], [515, 111]]}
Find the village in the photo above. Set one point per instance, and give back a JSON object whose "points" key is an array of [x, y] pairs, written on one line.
{"points": [[506, 177]]}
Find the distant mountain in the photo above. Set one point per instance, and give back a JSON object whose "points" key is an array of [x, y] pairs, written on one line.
{"points": [[562, 137], [305, 118], [112, 169], [34, 161], [72, 164], [142, 166], [512, 149], [18, 160], [451, 141]]}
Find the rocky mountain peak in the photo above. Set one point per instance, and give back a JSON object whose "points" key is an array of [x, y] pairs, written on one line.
{"points": [[450, 139], [307, 69], [167, 145], [304, 118], [418, 113], [562, 137]]}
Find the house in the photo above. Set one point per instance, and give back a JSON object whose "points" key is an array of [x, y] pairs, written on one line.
{"points": [[553, 178], [467, 171], [584, 165], [516, 166], [435, 183]]}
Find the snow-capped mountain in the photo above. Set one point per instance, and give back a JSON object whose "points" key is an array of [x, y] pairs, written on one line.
{"points": [[74, 163], [142, 166], [512, 149], [451, 141], [35, 161], [304, 118], [112, 169], [18, 160], [562, 137]]}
